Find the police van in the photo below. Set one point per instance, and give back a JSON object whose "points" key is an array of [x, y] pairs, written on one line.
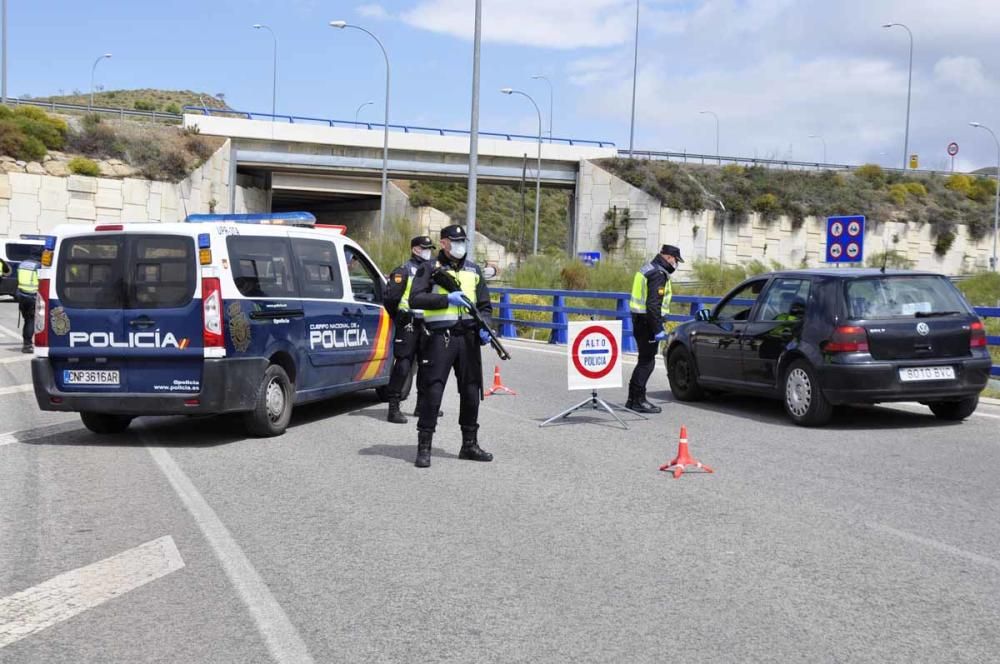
{"points": [[12, 253], [219, 314]]}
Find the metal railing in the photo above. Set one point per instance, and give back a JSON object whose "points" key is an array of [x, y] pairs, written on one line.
{"points": [[558, 324], [84, 108], [406, 129]]}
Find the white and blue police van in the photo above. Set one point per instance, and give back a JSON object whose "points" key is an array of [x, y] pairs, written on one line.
{"points": [[219, 314], [14, 251]]}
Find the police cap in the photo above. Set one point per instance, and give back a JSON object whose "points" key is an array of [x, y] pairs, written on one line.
{"points": [[671, 250], [453, 232], [422, 241]]}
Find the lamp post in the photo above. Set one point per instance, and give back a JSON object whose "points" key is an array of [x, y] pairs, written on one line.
{"points": [[472, 189], [712, 113], [358, 112], [274, 69], [824, 144], [546, 79], [92, 70], [538, 171], [909, 86], [385, 125], [996, 204], [635, 77]]}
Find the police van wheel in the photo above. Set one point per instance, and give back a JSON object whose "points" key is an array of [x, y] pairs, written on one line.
{"points": [[105, 423], [273, 406]]}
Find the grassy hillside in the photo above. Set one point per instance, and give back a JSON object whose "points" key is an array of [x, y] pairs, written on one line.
{"points": [[169, 101], [498, 212]]}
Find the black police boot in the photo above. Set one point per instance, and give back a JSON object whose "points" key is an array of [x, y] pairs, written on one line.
{"points": [[27, 348], [637, 402], [423, 449], [470, 448], [394, 415]]}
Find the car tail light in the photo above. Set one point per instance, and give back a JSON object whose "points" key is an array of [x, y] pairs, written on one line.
{"points": [[847, 339], [42, 314], [211, 306], [977, 336]]}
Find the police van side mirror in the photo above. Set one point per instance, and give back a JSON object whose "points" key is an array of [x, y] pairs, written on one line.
{"points": [[704, 315]]}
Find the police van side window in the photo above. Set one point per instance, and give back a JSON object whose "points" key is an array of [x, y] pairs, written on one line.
{"points": [[90, 272], [319, 270], [365, 283], [261, 266]]}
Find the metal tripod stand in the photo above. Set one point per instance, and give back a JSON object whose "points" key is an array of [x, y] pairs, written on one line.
{"points": [[594, 402]]}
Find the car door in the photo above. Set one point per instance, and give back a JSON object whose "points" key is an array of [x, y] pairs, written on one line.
{"points": [[776, 326], [366, 292], [717, 342]]}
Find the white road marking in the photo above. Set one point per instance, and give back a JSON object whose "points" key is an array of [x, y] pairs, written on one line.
{"points": [[282, 639], [15, 389], [940, 546], [10, 333], [23, 357], [25, 435], [62, 597]]}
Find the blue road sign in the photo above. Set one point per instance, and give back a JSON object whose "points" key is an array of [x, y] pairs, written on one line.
{"points": [[845, 239], [589, 257]]}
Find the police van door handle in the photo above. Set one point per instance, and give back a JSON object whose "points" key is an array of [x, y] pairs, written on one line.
{"points": [[142, 321]]}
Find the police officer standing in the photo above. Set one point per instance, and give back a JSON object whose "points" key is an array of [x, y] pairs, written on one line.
{"points": [[409, 325], [27, 290], [451, 341], [649, 305]]}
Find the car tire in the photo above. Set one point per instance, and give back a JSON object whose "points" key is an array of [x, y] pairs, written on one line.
{"points": [[804, 400], [273, 406], [954, 410], [104, 423], [683, 375]]}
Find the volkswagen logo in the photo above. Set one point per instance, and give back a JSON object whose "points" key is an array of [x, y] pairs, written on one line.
{"points": [[922, 329]]}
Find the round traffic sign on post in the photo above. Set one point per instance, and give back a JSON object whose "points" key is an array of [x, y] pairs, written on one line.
{"points": [[853, 228], [953, 148], [836, 250], [853, 249], [595, 352], [836, 229]]}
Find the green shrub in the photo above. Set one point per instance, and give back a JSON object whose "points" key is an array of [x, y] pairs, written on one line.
{"points": [[983, 190], [916, 188], [84, 166], [27, 133], [960, 183], [897, 194], [199, 147], [172, 107], [767, 205], [145, 105], [575, 275], [538, 272], [15, 143], [872, 174], [943, 242], [982, 289], [391, 248]]}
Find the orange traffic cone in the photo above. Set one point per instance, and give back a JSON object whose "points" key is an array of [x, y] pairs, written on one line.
{"points": [[498, 386], [683, 461]]}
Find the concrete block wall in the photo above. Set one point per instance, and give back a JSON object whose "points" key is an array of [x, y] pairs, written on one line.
{"points": [[430, 221], [598, 191]]}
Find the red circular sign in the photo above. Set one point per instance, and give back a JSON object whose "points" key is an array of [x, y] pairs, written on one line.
{"points": [[853, 228], [953, 149], [836, 250], [612, 349], [853, 249], [836, 229]]}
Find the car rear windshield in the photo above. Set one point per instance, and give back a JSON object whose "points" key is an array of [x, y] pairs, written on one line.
{"points": [[902, 296], [126, 271], [17, 251]]}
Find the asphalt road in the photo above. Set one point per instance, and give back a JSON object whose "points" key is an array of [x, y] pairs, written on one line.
{"points": [[874, 539]]}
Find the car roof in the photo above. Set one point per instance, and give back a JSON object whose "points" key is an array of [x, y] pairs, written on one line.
{"points": [[849, 273]]}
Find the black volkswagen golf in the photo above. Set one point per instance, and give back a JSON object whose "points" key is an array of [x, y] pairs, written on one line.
{"points": [[820, 338]]}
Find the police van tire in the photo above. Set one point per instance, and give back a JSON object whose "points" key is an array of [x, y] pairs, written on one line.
{"points": [[104, 423], [273, 406]]}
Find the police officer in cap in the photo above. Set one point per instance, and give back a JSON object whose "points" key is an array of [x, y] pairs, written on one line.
{"points": [[409, 325], [649, 305], [451, 341]]}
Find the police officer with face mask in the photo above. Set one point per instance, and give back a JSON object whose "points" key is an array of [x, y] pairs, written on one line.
{"points": [[649, 305], [409, 325], [451, 341]]}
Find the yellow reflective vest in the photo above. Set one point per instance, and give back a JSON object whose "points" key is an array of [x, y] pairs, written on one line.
{"points": [[27, 278], [640, 292], [439, 319]]}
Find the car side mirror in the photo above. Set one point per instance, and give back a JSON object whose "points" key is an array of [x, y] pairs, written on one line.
{"points": [[703, 315]]}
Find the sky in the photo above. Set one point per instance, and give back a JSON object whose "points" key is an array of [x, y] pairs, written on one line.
{"points": [[775, 72]]}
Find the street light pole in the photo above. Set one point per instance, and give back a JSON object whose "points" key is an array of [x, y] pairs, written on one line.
{"points": [[824, 144], [92, 70], [358, 112], [635, 77], [3, 92], [545, 78], [996, 203], [712, 113], [274, 69], [909, 86], [538, 172], [385, 125], [472, 187]]}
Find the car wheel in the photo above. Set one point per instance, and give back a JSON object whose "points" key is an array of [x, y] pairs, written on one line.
{"points": [[683, 375], [804, 400], [954, 410], [273, 406], [105, 423]]}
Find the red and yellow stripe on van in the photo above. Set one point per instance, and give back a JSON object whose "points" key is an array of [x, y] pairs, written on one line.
{"points": [[380, 350]]}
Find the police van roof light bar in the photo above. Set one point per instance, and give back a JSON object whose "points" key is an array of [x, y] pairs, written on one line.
{"points": [[304, 219]]}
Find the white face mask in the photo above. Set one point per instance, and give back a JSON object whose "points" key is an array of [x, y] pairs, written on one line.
{"points": [[425, 254], [457, 249]]}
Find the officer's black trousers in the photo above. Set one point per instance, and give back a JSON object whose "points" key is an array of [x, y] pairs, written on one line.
{"points": [[643, 334], [439, 355], [26, 304], [404, 351]]}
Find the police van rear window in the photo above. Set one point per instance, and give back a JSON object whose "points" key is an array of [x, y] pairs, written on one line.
{"points": [[126, 271]]}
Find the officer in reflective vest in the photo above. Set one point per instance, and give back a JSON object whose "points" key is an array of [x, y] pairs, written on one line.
{"points": [[409, 325], [649, 305], [27, 290], [451, 341]]}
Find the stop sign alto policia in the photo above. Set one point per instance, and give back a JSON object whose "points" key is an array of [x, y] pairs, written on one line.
{"points": [[594, 355]]}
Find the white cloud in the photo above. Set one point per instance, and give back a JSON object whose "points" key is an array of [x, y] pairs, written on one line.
{"points": [[965, 74], [372, 10]]}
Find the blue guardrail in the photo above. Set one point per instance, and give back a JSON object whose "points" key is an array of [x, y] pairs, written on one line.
{"points": [[617, 309]]}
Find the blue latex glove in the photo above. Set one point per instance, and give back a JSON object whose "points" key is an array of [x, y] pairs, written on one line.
{"points": [[457, 299], [661, 336], [484, 337]]}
